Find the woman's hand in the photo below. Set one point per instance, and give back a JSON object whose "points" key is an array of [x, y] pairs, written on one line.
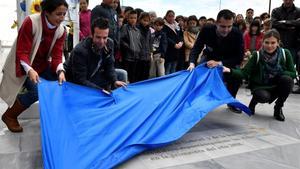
{"points": [[247, 53], [226, 69], [61, 77], [33, 76], [161, 60]]}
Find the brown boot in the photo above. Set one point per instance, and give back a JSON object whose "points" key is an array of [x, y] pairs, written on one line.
{"points": [[10, 117]]}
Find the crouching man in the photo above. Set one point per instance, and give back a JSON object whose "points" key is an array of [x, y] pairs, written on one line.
{"points": [[91, 62]]}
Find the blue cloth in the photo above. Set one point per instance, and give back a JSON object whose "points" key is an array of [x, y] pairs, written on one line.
{"points": [[83, 128]]}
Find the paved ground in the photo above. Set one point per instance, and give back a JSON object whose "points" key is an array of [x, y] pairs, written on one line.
{"points": [[222, 140]]}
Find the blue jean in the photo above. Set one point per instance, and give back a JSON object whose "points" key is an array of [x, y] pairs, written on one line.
{"points": [[31, 94], [170, 67], [121, 75]]}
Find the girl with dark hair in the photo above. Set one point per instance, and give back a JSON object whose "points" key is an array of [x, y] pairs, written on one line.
{"points": [[117, 7], [189, 37], [84, 19], [270, 71], [252, 39], [240, 23], [144, 59], [36, 53]]}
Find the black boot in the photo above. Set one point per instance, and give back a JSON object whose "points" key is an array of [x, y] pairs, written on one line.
{"points": [[297, 91], [234, 110], [278, 114], [252, 105]]}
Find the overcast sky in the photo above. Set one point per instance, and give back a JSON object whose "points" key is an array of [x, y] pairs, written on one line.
{"points": [[208, 8]]}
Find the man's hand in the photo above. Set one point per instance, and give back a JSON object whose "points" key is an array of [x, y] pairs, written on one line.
{"points": [[212, 63], [61, 77], [178, 45], [191, 67], [33, 76], [161, 60], [120, 84]]}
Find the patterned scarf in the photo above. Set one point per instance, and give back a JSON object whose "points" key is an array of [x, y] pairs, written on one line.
{"points": [[271, 65]]}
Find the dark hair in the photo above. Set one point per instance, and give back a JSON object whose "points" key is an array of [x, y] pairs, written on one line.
{"points": [[131, 12], [257, 18], [101, 23], [253, 24], [242, 26], [264, 16], [139, 11], [144, 15], [211, 20], [235, 18], [179, 17], [192, 18], [249, 9], [119, 10], [128, 8], [159, 21], [50, 5], [202, 17], [87, 1], [272, 33], [168, 12], [226, 14]]}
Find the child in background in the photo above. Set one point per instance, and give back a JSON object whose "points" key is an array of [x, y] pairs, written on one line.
{"points": [[118, 53], [130, 43], [143, 62], [84, 19], [252, 40], [160, 44], [189, 37]]}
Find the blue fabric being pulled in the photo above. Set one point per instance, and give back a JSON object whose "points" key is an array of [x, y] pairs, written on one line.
{"points": [[83, 128]]}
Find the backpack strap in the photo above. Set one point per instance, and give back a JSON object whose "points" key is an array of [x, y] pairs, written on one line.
{"points": [[283, 54], [257, 57]]}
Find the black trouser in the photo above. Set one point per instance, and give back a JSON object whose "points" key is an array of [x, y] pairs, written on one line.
{"points": [[137, 70], [284, 85], [130, 67], [142, 70], [232, 84]]}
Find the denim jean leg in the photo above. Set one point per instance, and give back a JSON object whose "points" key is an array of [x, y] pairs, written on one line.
{"points": [[173, 67], [167, 67], [30, 95]]}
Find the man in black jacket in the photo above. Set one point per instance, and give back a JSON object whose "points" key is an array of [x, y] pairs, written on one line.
{"points": [[224, 45], [91, 62], [106, 11], [286, 20]]}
